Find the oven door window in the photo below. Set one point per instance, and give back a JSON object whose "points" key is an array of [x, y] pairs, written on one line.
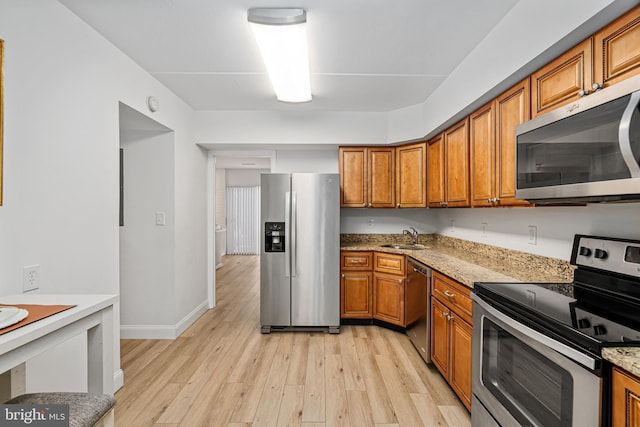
{"points": [[530, 386]]}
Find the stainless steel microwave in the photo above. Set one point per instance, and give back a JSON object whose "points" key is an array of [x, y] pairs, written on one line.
{"points": [[587, 151]]}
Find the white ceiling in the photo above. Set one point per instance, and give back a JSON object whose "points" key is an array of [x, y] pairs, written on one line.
{"points": [[365, 55]]}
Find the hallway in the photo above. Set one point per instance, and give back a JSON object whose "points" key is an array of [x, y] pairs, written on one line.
{"points": [[223, 372]]}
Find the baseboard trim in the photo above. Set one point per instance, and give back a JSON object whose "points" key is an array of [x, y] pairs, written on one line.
{"points": [[162, 332], [118, 380]]}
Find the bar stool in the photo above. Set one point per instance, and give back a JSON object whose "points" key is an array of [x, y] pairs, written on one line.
{"points": [[85, 409]]}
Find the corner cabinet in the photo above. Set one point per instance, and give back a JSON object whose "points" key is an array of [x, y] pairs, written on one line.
{"points": [[374, 285], [451, 333], [625, 399]]}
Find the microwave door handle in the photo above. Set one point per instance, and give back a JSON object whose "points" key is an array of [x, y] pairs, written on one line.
{"points": [[624, 135], [563, 349]]}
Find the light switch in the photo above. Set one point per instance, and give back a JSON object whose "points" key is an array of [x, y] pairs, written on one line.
{"points": [[160, 218]]}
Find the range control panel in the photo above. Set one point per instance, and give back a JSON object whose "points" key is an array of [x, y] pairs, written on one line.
{"points": [[610, 254]]}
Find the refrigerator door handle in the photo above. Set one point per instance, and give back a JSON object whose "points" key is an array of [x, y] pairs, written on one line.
{"points": [[293, 232], [287, 224]]}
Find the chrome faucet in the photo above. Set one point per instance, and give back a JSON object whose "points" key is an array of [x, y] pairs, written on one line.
{"points": [[413, 233]]}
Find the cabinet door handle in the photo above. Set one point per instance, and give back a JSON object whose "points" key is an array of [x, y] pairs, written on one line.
{"points": [[369, 204], [449, 294], [583, 92], [398, 205], [401, 281], [342, 275], [596, 86]]}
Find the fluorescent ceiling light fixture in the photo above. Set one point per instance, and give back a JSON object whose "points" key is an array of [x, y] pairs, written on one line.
{"points": [[281, 35]]}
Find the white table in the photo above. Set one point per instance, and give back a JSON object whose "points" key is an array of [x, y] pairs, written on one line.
{"points": [[92, 314]]}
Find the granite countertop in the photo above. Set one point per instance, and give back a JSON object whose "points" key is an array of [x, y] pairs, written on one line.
{"points": [[628, 358], [469, 265]]}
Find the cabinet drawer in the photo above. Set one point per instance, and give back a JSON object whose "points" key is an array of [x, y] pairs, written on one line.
{"points": [[356, 261], [389, 263], [455, 296]]}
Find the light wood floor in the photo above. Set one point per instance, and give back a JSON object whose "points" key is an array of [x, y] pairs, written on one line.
{"points": [[223, 372]]}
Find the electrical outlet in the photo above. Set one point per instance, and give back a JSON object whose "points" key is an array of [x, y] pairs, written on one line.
{"points": [[533, 235], [453, 225], [30, 277], [484, 229], [370, 222]]}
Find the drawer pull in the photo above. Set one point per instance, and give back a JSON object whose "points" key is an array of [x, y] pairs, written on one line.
{"points": [[449, 294]]}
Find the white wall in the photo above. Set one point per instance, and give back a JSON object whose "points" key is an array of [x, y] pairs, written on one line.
{"points": [[531, 34], [289, 127], [63, 84], [505, 227], [556, 226], [244, 177], [387, 221], [221, 200], [147, 293], [306, 161]]}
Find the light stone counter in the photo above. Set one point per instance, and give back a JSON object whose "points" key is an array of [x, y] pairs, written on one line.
{"points": [[469, 262], [628, 358]]}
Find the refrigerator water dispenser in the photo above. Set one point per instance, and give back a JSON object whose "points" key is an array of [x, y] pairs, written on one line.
{"points": [[274, 238]]}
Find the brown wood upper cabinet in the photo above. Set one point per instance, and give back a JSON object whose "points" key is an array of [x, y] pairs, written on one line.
{"points": [[617, 49], [448, 167], [411, 175], [383, 177], [562, 80], [608, 57], [367, 177], [492, 144]]}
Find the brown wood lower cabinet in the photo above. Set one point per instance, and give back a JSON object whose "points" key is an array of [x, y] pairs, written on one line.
{"points": [[388, 300], [356, 297], [625, 395], [451, 332]]}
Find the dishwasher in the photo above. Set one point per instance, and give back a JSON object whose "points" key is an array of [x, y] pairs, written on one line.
{"points": [[417, 307]]}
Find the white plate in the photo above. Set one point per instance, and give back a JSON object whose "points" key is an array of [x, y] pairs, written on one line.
{"points": [[11, 315]]}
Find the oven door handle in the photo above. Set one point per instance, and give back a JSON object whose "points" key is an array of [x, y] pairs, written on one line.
{"points": [[571, 353]]}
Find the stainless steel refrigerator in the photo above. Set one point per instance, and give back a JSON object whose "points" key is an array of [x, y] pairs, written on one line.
{"points": [[300, 252]]}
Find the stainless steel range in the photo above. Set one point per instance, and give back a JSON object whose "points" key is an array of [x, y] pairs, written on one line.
{"points": [[537, 347]]}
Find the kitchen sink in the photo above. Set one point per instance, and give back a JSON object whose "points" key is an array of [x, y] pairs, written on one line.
{"points": [[408, 246]]}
